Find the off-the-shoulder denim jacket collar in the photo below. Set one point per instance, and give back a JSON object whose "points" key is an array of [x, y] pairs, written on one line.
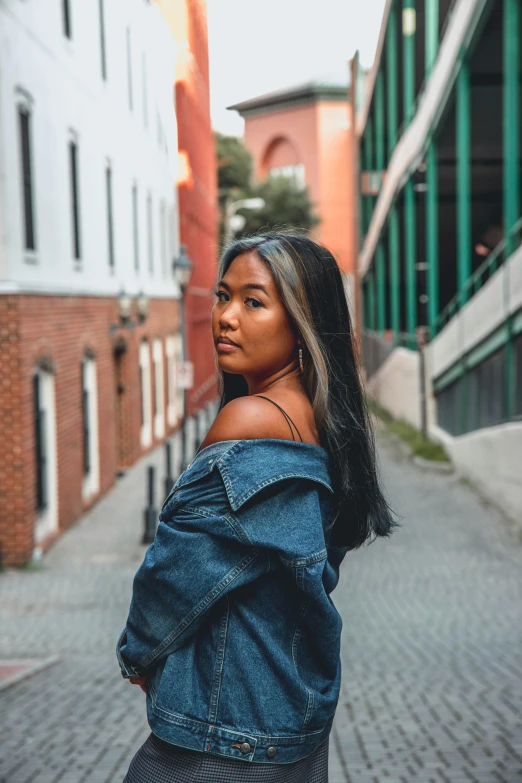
{"points": [[248, 465]]}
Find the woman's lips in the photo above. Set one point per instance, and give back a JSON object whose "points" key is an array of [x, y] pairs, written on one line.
{"points": [[226, 347]]}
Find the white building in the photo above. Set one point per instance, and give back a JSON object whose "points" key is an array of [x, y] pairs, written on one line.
{"points": [[88, 212], [88, 131]]}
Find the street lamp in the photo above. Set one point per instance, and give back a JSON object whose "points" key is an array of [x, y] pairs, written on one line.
{"points": [[232, 207], [142, 306], [125, 320], [182, 269], [124, 307]]}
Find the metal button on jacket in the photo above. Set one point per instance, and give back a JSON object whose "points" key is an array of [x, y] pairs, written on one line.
{"points": [[245, 747], [271, 751]]}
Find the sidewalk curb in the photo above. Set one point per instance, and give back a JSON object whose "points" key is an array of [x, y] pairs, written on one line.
{"points": [[26, 668], [430, 464], [444, 468]]}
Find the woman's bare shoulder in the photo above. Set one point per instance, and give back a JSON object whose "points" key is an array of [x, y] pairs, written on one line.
{"points": [[245, 418]]}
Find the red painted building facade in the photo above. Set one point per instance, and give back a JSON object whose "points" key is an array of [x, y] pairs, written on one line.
{"points": [[306, 132], [197, 187]]}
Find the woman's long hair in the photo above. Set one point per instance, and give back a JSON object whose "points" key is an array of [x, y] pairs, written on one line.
{"points": [[309, 283]]}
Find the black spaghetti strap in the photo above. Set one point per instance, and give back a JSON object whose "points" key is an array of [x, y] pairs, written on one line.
{"points": [[287, 417]]}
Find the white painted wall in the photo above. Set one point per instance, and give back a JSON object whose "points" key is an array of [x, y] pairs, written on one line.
{"points": [[491, 459], [500, 297], [396, 386], [61, 80]]}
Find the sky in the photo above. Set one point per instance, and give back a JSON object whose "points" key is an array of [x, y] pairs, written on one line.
{"points": [[256, 47]]}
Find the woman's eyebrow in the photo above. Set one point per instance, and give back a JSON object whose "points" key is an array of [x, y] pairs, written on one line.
{"points": [[257, 286]]}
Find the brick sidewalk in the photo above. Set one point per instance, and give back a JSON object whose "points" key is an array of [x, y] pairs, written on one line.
{"points": [[432, 672]]}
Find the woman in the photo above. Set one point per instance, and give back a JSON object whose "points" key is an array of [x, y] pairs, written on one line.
{"points": [[231, 630]]}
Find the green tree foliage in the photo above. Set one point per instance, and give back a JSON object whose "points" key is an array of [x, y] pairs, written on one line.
{"points": [[234, 164], [286, 204]]}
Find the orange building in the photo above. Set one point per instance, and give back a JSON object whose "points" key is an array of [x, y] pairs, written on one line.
{"points": [[305, 132], [197, 186]]}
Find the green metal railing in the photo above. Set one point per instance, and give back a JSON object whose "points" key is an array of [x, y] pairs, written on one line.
{"points": [[378, 109], [471, 286], [407, 340], [480, 276], [387, 267], [431, 55]]}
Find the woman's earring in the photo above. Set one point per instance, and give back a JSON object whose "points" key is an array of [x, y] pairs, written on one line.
{"points": [[301, 359]]}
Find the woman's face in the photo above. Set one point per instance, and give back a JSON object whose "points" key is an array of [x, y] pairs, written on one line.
{"points": [[254, 318]]}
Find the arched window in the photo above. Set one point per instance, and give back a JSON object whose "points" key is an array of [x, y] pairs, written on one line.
{"points": [[282, 159]]}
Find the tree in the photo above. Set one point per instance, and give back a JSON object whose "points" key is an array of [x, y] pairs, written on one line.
{"points": [[286, 203], [234, 163]]}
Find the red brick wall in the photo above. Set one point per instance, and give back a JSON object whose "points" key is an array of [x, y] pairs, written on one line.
{"points": [[15, 494], [61, 330]]}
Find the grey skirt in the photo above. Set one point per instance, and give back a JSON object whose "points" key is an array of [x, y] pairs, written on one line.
{"points": [[159, 762]]}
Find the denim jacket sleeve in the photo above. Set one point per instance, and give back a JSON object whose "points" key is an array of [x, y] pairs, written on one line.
{"points": [[194, 560], [220, 536]]}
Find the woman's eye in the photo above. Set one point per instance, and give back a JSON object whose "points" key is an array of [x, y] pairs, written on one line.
{"points": [[255, 302]]}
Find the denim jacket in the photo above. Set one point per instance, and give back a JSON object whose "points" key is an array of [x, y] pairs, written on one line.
{"points": [[231, 617]]}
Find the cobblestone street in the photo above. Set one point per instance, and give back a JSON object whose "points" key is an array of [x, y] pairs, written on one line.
{"points": [[432, 640]]}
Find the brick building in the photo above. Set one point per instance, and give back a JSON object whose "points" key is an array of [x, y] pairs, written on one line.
{"points": [[89, 225]]}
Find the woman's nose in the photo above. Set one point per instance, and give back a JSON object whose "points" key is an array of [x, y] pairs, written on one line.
{"points": [[228, 318]]}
